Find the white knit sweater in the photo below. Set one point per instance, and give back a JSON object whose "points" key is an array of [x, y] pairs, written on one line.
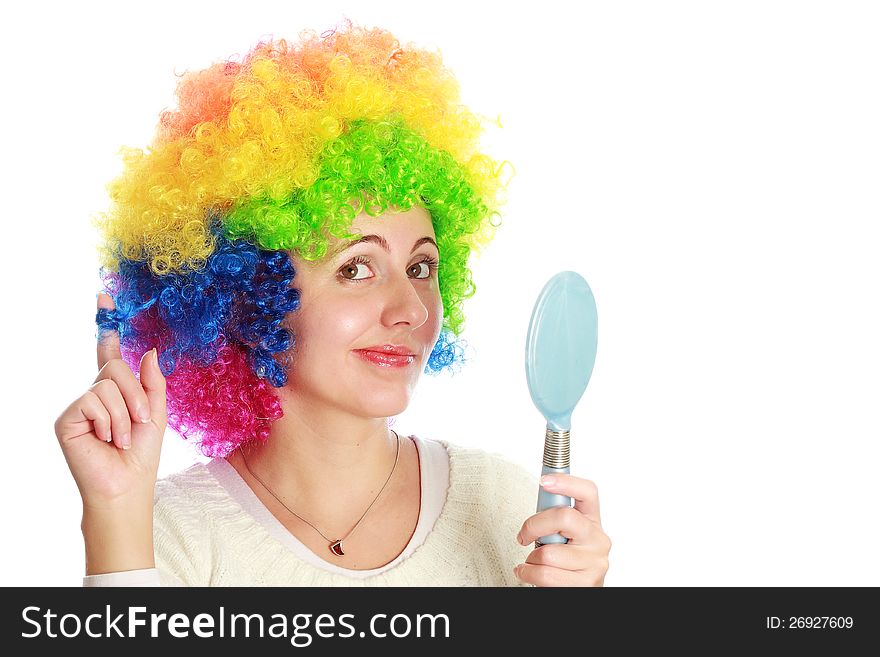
{"points": [[211, 530]]}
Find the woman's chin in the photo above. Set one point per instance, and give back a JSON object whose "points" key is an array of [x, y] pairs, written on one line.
{"points": [[386, 409]]}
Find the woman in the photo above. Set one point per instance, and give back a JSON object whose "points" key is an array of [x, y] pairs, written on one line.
{"points": [[282, 264]]}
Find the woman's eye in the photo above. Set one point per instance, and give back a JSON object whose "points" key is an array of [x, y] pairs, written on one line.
{"points": [[351, 268], [420, 270]]}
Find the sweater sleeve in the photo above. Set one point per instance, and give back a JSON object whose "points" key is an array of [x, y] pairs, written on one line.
{"points": [[516, 499], [526, 485], [139, 577], [181, 540]]}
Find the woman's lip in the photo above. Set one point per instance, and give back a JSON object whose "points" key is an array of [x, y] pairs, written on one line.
{"points": [[385, 359], [396, 351]]}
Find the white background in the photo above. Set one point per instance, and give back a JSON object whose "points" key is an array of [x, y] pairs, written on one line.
{"points": [[710, 168]]}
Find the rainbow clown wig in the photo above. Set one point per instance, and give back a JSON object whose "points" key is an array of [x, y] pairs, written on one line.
{"points": [[273, 154]]}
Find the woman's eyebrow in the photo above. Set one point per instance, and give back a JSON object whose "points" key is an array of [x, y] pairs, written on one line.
{"points": [[381, 241]]}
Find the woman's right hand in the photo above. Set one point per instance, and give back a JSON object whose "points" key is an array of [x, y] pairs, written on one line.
{"points": [[112, 454]]}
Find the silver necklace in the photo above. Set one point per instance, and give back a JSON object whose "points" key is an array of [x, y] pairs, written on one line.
{"points": [[335, 545]]}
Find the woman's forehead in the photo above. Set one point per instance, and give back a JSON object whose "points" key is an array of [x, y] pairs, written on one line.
{"points": [[416, 219], [390, 228]]}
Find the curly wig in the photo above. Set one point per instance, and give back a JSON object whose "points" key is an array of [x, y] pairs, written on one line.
{"points": [[277, 153]]}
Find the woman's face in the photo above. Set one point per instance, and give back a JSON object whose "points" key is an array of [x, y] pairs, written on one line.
{"points": [[364, 296]]}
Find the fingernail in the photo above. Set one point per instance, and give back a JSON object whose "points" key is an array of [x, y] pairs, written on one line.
{"points": [[519, 539], [125, 440], [143, 415], [548, 480]]}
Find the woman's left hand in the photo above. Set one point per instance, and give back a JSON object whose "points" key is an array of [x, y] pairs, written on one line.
{"points": [[583, 561]]}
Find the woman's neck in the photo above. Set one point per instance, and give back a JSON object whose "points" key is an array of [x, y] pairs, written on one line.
{"points": [[322, 465]]}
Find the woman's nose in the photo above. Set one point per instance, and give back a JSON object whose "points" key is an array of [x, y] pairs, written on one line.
{"points": [[404, 303]]}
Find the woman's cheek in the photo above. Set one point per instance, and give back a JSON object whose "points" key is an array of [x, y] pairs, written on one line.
{"points": [[437, 315]]}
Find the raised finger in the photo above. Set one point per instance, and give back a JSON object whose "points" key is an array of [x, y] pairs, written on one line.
{"points": [[120, 422], [108, 339]]}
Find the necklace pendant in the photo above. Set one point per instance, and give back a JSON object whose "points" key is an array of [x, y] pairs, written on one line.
{"points": [[336, 548]]}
